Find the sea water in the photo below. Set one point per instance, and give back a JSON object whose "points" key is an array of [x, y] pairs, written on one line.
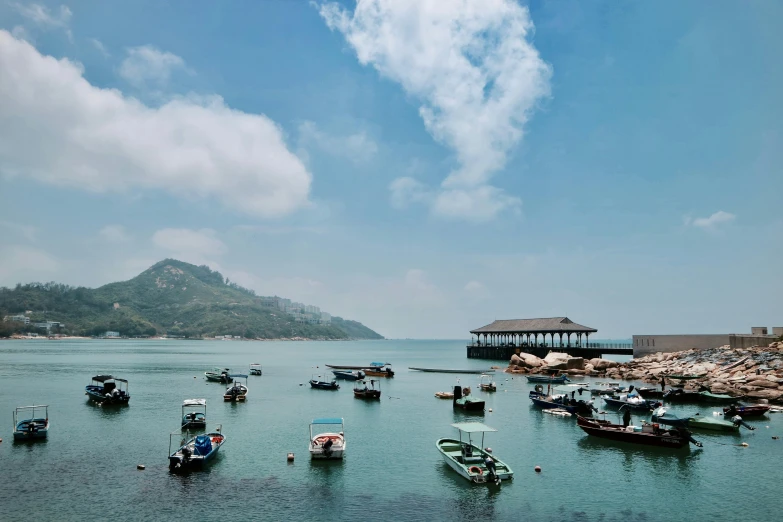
{"points": [[86, 470]]}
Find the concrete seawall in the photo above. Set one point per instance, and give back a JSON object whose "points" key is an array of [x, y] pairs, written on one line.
{"points": [[648, 344]]}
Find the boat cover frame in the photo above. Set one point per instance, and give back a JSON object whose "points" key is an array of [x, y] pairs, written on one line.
{"points": [[473, 427]]}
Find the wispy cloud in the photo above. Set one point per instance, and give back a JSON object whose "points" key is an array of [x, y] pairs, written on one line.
{"points": [[473, 67], [100, 47], [358, 148], [29, 232], [195, 246], [715, 220], [44, 17], [114, 234], [148, 66]]}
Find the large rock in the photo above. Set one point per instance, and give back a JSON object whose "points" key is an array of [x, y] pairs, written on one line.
{"points": [[575, 363], [766, 394], [527, 359], [763, 383], [603, 364], [555, 358]]}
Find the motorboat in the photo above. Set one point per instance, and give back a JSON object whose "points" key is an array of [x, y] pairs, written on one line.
{"points": [[680, 395], [436, 370], [462, 400], [236, 391], [349, 375], [647, 434], [318, 384], [487, 384], [329, 444], [559, 399], [219, 375], [755, 410], [29, 424], [473, 463], [195, 453], [721, 398], [632, 400], [194, 413], [444, 395], [548, 379], [255, 369], [377, 369], [106, 389], [362, 391], [699, 422]]}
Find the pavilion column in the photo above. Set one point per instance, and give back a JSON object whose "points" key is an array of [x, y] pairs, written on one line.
{"points": [[587, 340], [569, 339], [561, 339]]}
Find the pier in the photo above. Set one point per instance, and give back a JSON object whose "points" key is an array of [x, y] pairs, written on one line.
{"points": [[504, 338]]}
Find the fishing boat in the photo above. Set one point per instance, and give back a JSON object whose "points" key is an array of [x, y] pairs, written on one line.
{"points": [[219, 375], [362, 391], [444, 395], [236, 391], [378, 369], [560, 400], [327, 445], [471, 461], [463, 401], [195, 453], [318, 384], [32, 427], [105, 389], [548, 379], [487, 384], [435, 370], [255, 369], [680, 395], [755, 410], [196, 414], [705, 396], [647, 434], [349, 375], [632, 400], [663, 416], [698, 422], [362, 367]]}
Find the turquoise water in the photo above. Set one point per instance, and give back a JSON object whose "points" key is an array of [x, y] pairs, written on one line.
{"points": [[392, 471]]}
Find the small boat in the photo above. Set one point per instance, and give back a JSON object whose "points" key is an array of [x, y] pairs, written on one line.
{"points": [[377, 369], [105, 389], [195, 417], [558, 412], [463, 401], [650, 392], [706, 396], [255, 369], [548, 379], [647, 434], [444, 395], [236, 391], [33, 427], [324, 385], [486, 383], [349, 375], [685, 377], [362, 391], [680, 395], [435, 370], [662, 416], [560, 400], [219, 375], [195, 453], [327, 445], [632, 400], [755, 410], [710, 423], [469, 460]]}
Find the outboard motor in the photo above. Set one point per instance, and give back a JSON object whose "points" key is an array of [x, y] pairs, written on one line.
{"points": [[328, 448], [737, 420]]}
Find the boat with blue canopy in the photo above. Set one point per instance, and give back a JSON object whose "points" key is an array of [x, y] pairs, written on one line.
{"points": [[107, 389], [472, 462], [328, 444], [195, 453], [32, 426]]}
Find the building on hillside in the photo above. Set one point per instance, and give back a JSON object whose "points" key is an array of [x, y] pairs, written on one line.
{"points": [[326, 318], [18, 318], [48, 325], [111, 335]]}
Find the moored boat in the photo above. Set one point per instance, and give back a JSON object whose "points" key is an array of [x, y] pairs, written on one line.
{"points": [[195, 453], [196, 416], [32, 426], [561, 400], [349, 375], [471, 461], [106, 389], [632, 400], [327, 445], [318, 384], [755, 410], [680, 395], [487, 384], [720, 398], [362, 391], [219, 375], [377, 369], [444, 395], [704, 422], [548, 379], [647, 434], [436, 370], [255, 369], [236, 391], [463, 401]]}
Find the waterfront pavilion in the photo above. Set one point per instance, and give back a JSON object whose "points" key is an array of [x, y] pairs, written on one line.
{"points": [[533, 333]]}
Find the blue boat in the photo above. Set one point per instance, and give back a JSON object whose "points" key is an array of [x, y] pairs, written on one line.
{"points": [[548, 379], [194, 454], [323, 385], [33, 428], [348, 375], [106, 389]]}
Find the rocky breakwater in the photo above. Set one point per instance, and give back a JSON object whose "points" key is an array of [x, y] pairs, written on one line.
{"points": [[557, 362]]}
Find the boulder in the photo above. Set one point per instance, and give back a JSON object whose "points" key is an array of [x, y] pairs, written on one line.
{"points": [[766, 394], [603, 364], [575, 363], [515, 360], [558, 366], [763, 383], [555, 358]]}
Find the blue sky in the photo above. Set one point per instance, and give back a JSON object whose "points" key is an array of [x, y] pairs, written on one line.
{"points": [[423, 167]]}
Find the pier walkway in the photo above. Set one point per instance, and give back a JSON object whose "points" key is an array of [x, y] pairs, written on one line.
{"points": [[590, 351]]}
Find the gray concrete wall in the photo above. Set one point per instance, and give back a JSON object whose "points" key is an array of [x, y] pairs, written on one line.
{"points": [[646, 344], [747, 341], [777, 331], [759, 330]]}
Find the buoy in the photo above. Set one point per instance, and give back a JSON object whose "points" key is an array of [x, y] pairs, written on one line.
{"points": [[490, 410], [290, 457], [773, 438], [301, 383], [488, 450], [538, 469], [744, 444], [140, 466]]}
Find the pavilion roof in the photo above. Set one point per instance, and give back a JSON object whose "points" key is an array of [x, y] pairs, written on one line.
{"points": [[549, 324]]}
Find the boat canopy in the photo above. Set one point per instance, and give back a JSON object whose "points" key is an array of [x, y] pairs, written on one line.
{"points": [[194, 402], [379, 364], [331, 420], [473, 427], [102, 378]]}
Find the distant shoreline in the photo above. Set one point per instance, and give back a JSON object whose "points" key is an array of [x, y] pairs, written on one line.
{"points": [[81, 338]]}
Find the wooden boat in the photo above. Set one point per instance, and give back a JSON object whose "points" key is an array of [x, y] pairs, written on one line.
{"points": [[324, 385], [679, 395], [472, 462], [196, 416], [236, 391], [463, 401], [706, 396], [105, 389], [560, 401], [255, 369], [647, 434], [219, 375], [444, 395], [435, 370], [349, 375], [32, 427], [327, 445], [377, 369], [548, 379], [362, 391], [755, 410], [486, 383], [195, 453]]}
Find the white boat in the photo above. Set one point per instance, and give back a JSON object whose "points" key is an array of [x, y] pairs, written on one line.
{"points": [[195, 418], [469, 460], [33, 427], [327, 445], [255, 369], [236, 391]]}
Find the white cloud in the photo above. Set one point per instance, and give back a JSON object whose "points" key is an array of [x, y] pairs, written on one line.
{"points": [[114, 234], [57, 128], [27, 231], [478, 204], [146, 65], [22, 264], [100, 47], [358, 148], [718, 218], [187, 244], [407, 190], [476, 290], [470, 63], [43, 17]]}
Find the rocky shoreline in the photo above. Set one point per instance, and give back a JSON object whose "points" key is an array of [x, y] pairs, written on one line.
{"points": [[755, 373]]}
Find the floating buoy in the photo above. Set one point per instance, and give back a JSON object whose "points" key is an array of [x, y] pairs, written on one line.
{"points": [[290, 457], [490, 410], [488, 450], [538, 469], [301, 384], [1, 440], [194, 376], [773, 438], [744, 444], [140, 466]]}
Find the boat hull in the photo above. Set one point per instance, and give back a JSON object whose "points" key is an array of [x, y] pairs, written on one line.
{"points": [[746, 411], [696, 423], [347, 375], [179, 464], [644, 406], [321, 385], [371, 395], [618, 433], [475, 472], [336, 452], [435, 370], [717, 398], [23, 433], [217, 378], [541, 379], [95, 394]]}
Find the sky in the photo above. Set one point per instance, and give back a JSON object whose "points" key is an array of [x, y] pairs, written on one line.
{"points": [[424, 167]]}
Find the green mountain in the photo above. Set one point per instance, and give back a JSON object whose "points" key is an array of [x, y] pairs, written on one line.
{"points": [[171, 297]]}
